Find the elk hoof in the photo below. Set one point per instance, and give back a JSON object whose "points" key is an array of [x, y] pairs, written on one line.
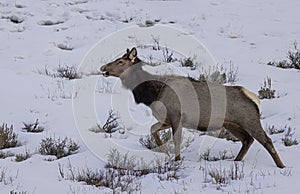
{"points": [[177, 158]]}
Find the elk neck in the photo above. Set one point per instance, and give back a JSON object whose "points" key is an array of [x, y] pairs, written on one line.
{"points": [[145, 87]]}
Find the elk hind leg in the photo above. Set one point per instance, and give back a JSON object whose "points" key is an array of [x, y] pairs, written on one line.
{"points": [[265, 141], [243, 136]]}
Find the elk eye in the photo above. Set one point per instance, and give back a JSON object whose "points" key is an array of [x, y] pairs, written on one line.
{"points": [[120, 62]]}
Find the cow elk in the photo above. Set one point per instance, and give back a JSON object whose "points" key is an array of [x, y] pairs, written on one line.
{"points": [[180, 102]]}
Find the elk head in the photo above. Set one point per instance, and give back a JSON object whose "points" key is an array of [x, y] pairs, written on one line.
{"points": [[118, 66]]}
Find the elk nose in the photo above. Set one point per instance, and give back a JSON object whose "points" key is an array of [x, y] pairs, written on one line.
{"points": [[102, 68]]}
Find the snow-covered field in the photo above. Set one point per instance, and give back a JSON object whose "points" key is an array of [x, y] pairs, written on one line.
{"points": [[39, 35]]}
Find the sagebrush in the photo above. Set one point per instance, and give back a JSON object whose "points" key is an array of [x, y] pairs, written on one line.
{"points": [[223, 176], [4, 155], [274, 130], [149, 142], [69, 72], [8, 138], [33, 127], [58, 147], [223, 155], [111, 125], [122, 172], [219, 74], [266, 91], [62, 71], [288, 139], [292, 61], [22, 156], [188, 62]]}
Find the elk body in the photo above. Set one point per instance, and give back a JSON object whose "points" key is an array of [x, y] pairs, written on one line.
{"points": [[178, 102]]}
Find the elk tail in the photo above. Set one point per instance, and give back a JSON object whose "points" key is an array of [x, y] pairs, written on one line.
{"points": [[251, 96]]}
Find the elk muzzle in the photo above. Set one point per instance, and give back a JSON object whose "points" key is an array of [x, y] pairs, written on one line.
{"points": [[103, 71]]}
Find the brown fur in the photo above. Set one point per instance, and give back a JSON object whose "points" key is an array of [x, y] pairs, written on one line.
{"points": [[184, 102]]}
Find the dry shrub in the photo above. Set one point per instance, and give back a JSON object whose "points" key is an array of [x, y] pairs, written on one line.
{"points": [[8, 138], [58, 147]]}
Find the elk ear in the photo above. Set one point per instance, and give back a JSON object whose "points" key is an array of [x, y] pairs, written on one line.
{"points": [[126, 55], [133, 53]]}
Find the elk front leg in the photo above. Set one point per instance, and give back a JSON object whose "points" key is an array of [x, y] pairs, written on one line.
{"points": [[154, 131], [177, 133]]}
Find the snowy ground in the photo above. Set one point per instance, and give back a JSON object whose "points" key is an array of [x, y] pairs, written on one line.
{"points": [[248, 33]]}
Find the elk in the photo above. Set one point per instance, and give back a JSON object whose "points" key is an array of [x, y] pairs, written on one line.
{"points": [[181, 102]]}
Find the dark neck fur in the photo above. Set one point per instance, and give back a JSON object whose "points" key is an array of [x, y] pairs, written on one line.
{"points": [[144, 86]]}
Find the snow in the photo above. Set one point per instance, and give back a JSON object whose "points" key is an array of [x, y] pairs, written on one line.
{"points": [[247, 33]]}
